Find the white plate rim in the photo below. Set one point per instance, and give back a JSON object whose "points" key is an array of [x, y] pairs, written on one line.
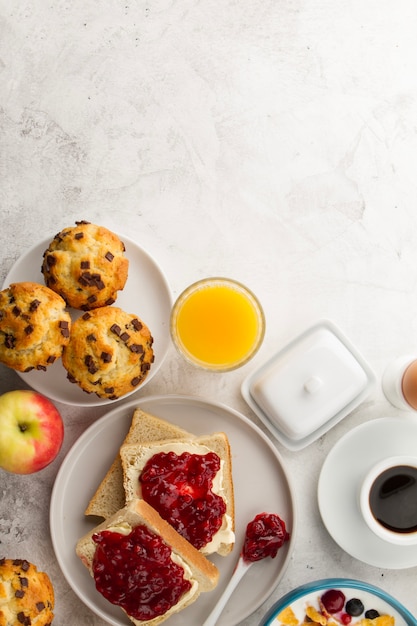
{"points": [[150, 403], [342, 510], [162, 341]]}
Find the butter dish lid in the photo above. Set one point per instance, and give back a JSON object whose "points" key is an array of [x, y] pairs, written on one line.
{"points": [[309, 385]]}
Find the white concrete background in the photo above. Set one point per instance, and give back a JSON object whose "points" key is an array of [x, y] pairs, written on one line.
{"points": [[274, 142]]}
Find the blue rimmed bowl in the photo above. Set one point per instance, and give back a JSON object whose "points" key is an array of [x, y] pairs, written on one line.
{"points": [[372, 598]]}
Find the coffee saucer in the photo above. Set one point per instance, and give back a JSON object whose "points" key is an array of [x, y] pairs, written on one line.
{"points": [[342, 472]]}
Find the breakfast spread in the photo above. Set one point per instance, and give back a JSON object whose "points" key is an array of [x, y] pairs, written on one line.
{"points": [[338, 607], [109, 352], [34, 326], [140, 563], [167, 500], [86, 265], [26, 594]]}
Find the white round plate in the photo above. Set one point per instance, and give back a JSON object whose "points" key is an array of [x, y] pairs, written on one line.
{"points": [[260, 484], [146, 294], [339, 482]]}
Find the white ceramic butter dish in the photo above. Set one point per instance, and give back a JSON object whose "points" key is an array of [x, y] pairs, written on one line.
{"points": [[309, 385]]}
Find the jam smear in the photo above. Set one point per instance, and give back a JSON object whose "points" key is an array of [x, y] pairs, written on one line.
{"points": [[179, 487], [136, 572], [265, 534]]}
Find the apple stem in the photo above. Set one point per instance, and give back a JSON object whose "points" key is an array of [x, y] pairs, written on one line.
{"points": [[23, 427]]}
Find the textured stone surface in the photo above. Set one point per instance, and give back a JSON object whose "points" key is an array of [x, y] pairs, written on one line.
{"points": [[274, 142]]}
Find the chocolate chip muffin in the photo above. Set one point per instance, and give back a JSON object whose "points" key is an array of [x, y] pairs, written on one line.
{"points": [[34, 326], [86, 265], [109, 352], [26, 595]]}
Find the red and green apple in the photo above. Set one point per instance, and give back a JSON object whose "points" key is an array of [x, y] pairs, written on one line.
{"points": [[31, 431]]}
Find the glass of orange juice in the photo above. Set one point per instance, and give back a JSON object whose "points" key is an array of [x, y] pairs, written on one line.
{"points": [[217, 323]]}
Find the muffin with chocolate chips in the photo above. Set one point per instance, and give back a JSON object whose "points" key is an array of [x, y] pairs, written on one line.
{"points": [[34, 326], [86, 265], [26, 595], [109, 353]]}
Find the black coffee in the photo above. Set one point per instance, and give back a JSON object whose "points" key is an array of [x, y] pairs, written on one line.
{"points": [[393, 499]]}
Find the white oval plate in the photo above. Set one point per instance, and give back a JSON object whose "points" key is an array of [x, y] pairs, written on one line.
{"points": [[260, 484], [146, 294], [340, 477]]}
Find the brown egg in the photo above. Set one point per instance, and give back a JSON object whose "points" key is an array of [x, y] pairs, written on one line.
{"points": [[409, 385]]}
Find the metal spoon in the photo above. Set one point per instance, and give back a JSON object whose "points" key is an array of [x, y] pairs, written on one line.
{"points": [[240, 570]]}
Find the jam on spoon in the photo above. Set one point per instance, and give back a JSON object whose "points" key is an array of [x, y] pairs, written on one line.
{"points": [[264, 536]]}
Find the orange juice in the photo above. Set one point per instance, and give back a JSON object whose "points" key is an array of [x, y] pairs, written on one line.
{"points": [[217, 323]]}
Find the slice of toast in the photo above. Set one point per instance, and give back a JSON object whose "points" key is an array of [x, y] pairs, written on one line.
{"points": [[202, 574], [110, 495], [135, 456]]}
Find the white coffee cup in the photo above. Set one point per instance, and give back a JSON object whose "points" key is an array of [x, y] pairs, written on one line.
{"points": [[388, 500]]}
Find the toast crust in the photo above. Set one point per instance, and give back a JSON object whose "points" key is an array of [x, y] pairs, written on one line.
{"points": [[110, 496]]}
